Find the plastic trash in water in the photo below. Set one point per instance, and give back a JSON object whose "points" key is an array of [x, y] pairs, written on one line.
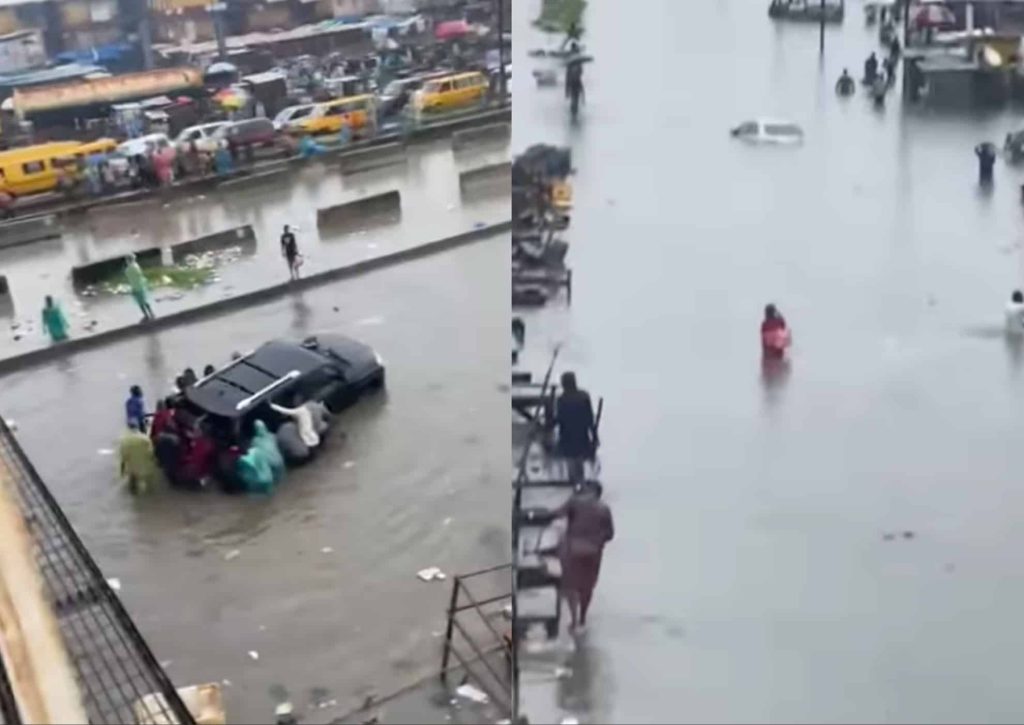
{"points": [[570, 721], [231, 554], [472, 693], [348, 464], [105, 452], [253, 654], [326, 550], [114, 583], [430, 574]]}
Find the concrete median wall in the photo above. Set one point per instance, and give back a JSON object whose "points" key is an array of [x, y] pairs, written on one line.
{"points": [[490, 175], [89, 274], [175, 319], [243, 237], [31, 229], [353, 212], [491, 133], [374, 157], [247, 181]]}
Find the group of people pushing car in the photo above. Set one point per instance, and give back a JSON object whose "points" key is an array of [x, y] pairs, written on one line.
{"points": [[194, 452]]}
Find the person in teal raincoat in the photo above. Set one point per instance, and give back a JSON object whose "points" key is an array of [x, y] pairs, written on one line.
{"points": [[54, 320], [254, 471], [139, 286], [264, 440]]}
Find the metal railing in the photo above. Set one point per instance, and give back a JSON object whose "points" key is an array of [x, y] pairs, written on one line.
{"points": [[489, 663], [113, 664]]}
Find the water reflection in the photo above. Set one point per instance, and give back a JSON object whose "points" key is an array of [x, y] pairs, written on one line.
{"points": [[301, 313], [774, 376]]}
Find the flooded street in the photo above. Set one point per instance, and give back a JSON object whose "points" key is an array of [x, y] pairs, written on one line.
{"points": [[318, 580], [835, 544], [432, 207]]}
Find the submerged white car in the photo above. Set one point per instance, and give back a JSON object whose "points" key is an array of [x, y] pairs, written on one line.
{"points": [[765, 130]]}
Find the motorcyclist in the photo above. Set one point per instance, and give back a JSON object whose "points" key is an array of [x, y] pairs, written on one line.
{"points": [[845, 85]]}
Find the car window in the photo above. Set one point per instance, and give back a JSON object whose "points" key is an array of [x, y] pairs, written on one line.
{"points": [[782, 129], [33, 167], [446, 87]]}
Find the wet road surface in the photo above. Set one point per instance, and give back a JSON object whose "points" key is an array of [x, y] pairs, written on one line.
{"points": [[419, 480], [751, 578], [432, 208]]}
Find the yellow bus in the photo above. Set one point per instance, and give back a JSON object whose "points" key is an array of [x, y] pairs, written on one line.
{"points": [[355, 112], [454, 91], [39, 168]]}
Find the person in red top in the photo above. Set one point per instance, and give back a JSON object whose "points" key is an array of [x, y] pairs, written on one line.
{"points": [[163, 418], [775, 336]]}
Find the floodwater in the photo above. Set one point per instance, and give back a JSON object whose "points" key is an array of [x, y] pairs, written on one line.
{"points": [[432, 207], [752, 578], [318, 580]]}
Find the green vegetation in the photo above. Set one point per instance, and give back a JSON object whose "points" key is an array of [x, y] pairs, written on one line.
{"points": [[557, 15], [182, 278]]}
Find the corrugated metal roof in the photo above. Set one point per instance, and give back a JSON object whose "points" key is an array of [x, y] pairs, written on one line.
{"points": [[60, 73]]}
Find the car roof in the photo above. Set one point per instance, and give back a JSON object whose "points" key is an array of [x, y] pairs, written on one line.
{"points": [[238, 387]]}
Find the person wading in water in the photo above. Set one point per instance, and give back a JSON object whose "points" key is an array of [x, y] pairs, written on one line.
{"points": [[590, 528]]}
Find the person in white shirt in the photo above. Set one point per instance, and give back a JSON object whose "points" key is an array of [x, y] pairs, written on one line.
{"points": [[1015, 314]]}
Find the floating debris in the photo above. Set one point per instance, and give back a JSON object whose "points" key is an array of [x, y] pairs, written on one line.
{"points": [[253, 654], [326, 550], [472, 693], [348, 464], [430, 574], [105, 452], [234, 553], [114, 583]]}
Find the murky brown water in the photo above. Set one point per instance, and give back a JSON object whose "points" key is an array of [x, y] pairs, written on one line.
{"points": [[419, 480]]}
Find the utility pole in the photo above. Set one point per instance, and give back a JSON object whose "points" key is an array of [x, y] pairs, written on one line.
{"points": [[217, 11], [502, 90], [821, 30]]}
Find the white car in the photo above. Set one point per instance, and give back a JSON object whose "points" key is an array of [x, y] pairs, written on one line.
{"points": [[289, 117], [765, 130], [139, 146], [202, 135]]}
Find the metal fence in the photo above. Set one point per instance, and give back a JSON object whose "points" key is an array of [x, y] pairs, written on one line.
{"points": [[113, 664], [473, 640]]}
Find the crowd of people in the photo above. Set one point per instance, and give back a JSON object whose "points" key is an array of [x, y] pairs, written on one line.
{"points": [[190, 451]]}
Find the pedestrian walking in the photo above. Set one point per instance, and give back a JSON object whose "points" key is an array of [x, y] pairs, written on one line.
{"points": [[290, 251], [590, 528], [139, 286], [54, 321], [574, 416]]}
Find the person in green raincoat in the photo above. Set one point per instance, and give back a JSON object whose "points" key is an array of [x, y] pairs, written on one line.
{"points": [[54, 320], [137, 464], [139, 286]]}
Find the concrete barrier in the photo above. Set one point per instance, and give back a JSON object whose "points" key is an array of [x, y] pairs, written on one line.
{"points": [[243, 237], [248, 299], [353, 212], [33, 229], [491, 133], [94, 272], [374, 157], [240, 183], [491, 175]]}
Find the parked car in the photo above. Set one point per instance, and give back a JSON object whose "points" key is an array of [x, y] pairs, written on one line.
{"points": [[288, 118], [142, 144], [248, 134], [329, 369], [769, 131], [203, 135]]}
